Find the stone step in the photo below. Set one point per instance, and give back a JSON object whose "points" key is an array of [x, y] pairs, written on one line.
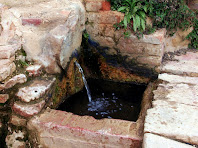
{"points": [[170, 78], [180, 93], [27, 110], [62, 129], [21, 78], [155, 141], [35, 90], [185, 65], [173, 120]]}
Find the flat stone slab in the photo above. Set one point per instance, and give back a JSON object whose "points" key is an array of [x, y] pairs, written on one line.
{"points": [[26, 110], [155, 141], [21, 78], [173, 120], [35, 90], [62, 129], [180, 93], [186, 65], [178, 79]]}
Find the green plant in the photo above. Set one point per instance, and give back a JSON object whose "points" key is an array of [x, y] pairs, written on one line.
{"points": [[193, 36], [115, 4], [171, 14], [135, 13]]}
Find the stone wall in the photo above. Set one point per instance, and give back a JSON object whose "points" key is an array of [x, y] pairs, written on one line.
{"points": [[37, 39], [146, 52]]}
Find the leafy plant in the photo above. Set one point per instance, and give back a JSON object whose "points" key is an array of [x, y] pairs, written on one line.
{"points": [[193, 36], [172, 14], [135, 13]]}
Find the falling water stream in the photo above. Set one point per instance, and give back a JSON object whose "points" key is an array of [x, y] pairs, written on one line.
{"points": [[84, 80]]}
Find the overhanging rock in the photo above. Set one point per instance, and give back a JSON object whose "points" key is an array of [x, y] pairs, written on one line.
{"points": [[48, 30]]}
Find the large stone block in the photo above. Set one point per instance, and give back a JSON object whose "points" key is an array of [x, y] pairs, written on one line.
{"points": [[155, 141], [50, 31], [61, 129], [173, 120], [185, 65], [181, 93]]}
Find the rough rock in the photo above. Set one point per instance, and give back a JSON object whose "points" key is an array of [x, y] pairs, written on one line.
{"points": [[155, 141], [7, 51], [61, 129], [180, 93], [178, 79], [53, 29], [21, 78], [177, 41], [13, 142], [34, 70], [186, 65], [27, 110], [4, 98], [17, 121], [173, 120], [7, 70], [35, 90]]}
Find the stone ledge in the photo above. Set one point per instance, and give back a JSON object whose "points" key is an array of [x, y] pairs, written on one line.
{"points": [[154, 141], [173, 120], [55, 128], [178, 79], [186, 65], [35, 90], [180, 93]]}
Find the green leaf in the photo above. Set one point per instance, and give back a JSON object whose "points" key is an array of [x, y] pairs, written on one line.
{"points": [[145, 8], [135, 9], [137, 20], [125, 22], [122, 8], [134, 24], [143, 24], [142, 14]]}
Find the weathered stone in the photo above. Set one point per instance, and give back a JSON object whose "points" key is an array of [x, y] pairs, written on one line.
{"points": [[7, 51], [35, 90], [157, 37], [61, 129], [133, 45], [110, 17], [171, 119], [17, 121], [105, 41], [155, 141], [27, 110], [109, 31], [13, 142], [178, 79], [180, 93], [7, 70], [186, 65], [150, 61], [4, 98], [21, 78], [178, 40], [95, 29], [53, 29], [93, 6], [34, 70]]}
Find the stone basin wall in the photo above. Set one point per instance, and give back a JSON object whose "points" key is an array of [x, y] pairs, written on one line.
{"points": [[146, 52]]}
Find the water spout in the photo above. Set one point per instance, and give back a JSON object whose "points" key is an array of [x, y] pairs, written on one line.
{"points": [[84, 80]]}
